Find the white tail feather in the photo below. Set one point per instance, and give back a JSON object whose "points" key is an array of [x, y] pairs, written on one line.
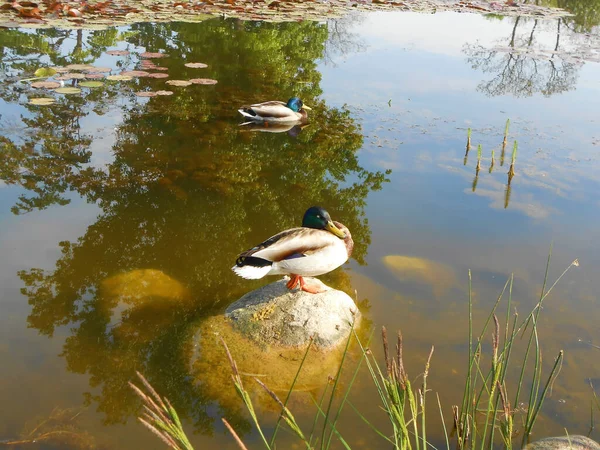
{"points": [[250, 272]]}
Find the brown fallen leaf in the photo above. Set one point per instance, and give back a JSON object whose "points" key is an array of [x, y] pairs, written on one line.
{"points": [[45, 85], [152, 55], [80, 67], [158, 75], [74, 12], [135, 73], [74, 76], [33, 13], [99, 70], [181, 83], [196, 65], [117, 52], [203, 81]]}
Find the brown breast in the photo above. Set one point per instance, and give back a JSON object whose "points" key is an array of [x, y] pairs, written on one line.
{"points": [[348, 240]]}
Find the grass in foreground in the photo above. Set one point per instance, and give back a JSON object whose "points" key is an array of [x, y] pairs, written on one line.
{"points": [[485, 417]]}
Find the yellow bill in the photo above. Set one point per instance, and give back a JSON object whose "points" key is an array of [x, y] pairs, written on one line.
{"points": [[335, 230]]}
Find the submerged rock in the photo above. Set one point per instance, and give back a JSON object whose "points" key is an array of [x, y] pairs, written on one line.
{"points": [[137, 286], [574, 442], [274, 315]]}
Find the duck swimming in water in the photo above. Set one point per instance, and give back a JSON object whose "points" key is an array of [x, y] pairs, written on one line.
{"points": [[319, 246], [294, 111]]}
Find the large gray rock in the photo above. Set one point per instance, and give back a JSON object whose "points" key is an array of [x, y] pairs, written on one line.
{"points": [[574, 442], [274, 315]]}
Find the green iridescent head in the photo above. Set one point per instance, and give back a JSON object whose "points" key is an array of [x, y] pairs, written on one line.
{"points": [[295, 104], [317, 217]]}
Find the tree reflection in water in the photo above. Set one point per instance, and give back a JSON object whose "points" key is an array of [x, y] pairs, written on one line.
{"points": [[185, 191]]}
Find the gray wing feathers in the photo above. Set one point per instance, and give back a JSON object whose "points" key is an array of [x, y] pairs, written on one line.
{"points": [[272, 109], [293, 243]]}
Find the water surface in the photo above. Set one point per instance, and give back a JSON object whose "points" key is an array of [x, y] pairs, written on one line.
{"points": [[121, 216]]}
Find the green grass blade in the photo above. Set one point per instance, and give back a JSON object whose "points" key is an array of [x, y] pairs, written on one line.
{"points": [[365, 420], [551, 377], [287, 398], [337, 415], [335, 383], [443, 422]]}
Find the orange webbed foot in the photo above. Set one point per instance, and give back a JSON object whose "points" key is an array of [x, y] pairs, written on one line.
{"points": [[311, 288], [294, 280]]}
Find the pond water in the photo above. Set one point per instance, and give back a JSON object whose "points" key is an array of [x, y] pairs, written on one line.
{"points": [[121, 216]]}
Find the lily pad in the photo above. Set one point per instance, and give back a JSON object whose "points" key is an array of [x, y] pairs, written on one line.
{"points": [[94, 76], [45, 72], [91, 84], [163, 69], [152, 55], [158, 75], [196, 65], [59, 69], [181, 83], [74, 76], [203, 81], [100, 70], [45, 85], [79, 67], [42, 101], [146, 94], [117, 52], [68, 90], [164, 92], [135, 73], [119, 78]]}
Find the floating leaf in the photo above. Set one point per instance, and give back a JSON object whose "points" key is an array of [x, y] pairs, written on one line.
{"points": [[152, 55], [100, 70], [91, 84], [135, 73], [68, 90], [42, 101], [117, 52], [181, 83], [45, 72], [79, 67], [158, 75], [45, 85], [63, 78], [74, 76], [164, 92], [146, 94], [196, 65], [94, 76], [203, 81], [119, 78], [160, 68], [59, 69]]}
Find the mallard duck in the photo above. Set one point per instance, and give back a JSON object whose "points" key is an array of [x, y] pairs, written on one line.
{"points": [[293, 111], [318, 247]]}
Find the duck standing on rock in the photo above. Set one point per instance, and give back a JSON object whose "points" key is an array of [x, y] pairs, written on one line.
{"points": [[319, 246], [294, 111]]}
